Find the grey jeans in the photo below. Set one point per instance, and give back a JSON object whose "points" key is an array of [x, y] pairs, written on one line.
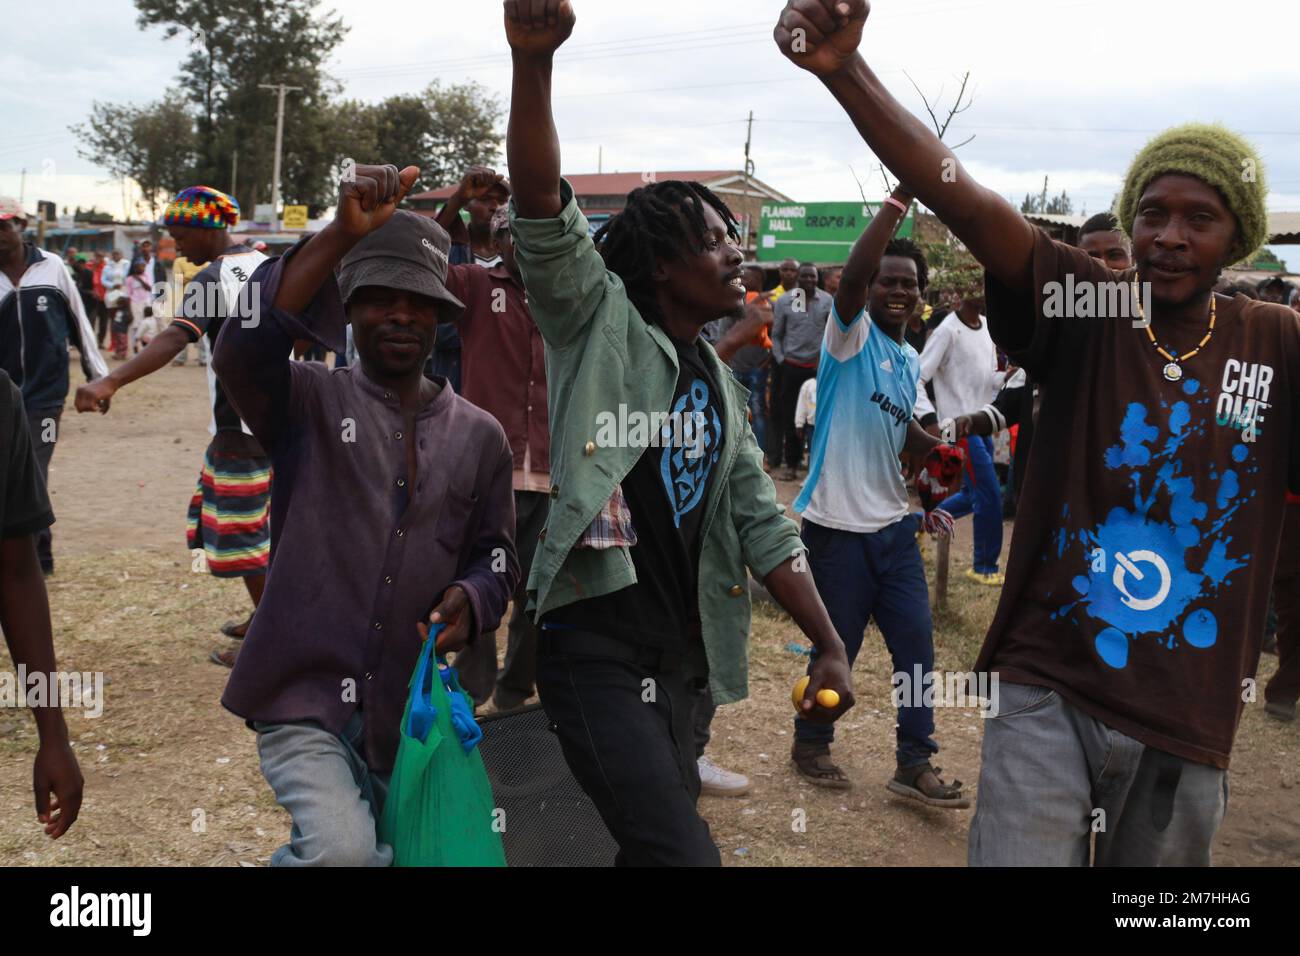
{"points": [[334, 800], [1051, 776]]}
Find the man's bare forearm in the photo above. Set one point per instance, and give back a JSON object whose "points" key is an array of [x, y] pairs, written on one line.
{"points": [[532, 143], [794, 590], [864, 258], [918, 441], [310, 267], [449, 218], [164, 347], [996, 234], [25, 617]]}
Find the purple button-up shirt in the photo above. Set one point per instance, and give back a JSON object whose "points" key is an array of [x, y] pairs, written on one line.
{"points": [[357, 557]]}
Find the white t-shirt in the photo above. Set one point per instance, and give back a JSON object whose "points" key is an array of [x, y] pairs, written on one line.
{"points": [[805, 406], [963, 365]]}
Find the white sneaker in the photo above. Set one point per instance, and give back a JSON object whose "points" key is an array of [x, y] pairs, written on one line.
{"points": [[721, 783]]}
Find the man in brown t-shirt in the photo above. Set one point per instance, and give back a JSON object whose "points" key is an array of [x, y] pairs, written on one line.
{"points": [[1129, 628]]}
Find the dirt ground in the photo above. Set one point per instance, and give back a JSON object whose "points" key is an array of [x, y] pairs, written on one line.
{"points": [[172, 778]]}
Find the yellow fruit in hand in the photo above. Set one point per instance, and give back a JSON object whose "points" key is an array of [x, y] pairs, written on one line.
{"points": [[825, 697], [799, 688]]}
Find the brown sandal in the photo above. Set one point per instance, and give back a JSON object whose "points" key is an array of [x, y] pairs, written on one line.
{"points": [[226, 658], [922, 783], [814, 763], [237, 629]]}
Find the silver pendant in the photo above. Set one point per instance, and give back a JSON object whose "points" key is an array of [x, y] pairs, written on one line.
{"points": [[1173, 372]]}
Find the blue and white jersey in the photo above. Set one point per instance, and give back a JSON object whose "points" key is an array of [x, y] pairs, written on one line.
{"points": [[866, 388]]}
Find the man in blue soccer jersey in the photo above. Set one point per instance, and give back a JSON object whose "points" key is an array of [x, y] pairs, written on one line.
{"points": [[857, 522]]}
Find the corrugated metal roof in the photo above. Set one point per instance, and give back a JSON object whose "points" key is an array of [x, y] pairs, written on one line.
{"points": [[1052, 219], [1284, 228], [620, 184]]}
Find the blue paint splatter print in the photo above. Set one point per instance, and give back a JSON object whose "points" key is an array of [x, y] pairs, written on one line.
{"points": [[1152, 563]]}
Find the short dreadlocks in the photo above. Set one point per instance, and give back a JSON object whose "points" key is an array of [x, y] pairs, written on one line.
{"points": [[660, 221], [907, 249]]}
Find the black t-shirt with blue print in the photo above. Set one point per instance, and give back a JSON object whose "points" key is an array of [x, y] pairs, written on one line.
{"points": [[668, 493], [1148, 524]]}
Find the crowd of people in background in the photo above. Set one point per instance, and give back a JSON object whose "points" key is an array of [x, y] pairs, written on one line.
{"points": [[473, 356]]}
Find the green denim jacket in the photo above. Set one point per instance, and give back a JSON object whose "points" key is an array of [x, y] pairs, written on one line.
{"points": [[600, 353]]}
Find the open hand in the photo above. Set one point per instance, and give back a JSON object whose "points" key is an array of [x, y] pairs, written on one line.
{"points": [[369, 197], [538, 26], [56, 778], [821, 36]]}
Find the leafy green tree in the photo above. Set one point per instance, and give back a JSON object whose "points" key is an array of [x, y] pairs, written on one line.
{"points": [[442, 129], [237, 45], [154, 144], [1060, 205]]}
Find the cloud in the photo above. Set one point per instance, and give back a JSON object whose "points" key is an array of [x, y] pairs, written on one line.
{"points": [[1063, 88]]}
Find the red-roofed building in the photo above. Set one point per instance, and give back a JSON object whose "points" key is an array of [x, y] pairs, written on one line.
{"points": [[600, 195]]}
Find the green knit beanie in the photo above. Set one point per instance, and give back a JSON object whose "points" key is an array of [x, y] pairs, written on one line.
{"points": [[1214, 155]]}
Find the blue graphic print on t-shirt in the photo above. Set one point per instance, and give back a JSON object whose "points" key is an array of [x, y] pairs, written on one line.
{"points": [[1146, 567], [691, 444]]}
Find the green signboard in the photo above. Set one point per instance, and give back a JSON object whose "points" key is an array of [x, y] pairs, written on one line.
{"points": [[815, 231]]}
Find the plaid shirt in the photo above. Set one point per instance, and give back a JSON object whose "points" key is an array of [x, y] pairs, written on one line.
{"points": [[612, 526]]}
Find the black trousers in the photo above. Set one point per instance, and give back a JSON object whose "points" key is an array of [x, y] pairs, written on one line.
{"points": [[781, 433], [625, 716], [44, 424], [477, 664], [1284, 687], [99, 317]]}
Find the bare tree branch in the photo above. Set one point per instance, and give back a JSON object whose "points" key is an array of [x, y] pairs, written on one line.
{"points": [[889, 188], [957, 106], [861, 190]]}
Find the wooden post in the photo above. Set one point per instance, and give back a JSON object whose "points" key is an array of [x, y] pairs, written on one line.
{"points": [[941, 572]]}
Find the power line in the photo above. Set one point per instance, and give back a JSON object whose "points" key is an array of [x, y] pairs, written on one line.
{"points": [[645, 45], [844, 121]]}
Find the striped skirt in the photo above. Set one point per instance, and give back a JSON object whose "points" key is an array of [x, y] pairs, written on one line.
{"points": [[229, 517]]}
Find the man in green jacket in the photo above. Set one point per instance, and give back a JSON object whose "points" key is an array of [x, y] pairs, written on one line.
{"points": [[660, 501]]}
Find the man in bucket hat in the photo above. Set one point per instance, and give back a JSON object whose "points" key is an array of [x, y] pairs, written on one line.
{"points": [[393, 506]]}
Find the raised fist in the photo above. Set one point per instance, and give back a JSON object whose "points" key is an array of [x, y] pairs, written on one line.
{"points": [[479, 181], [369, 195], [538, 26], [821, 36]]}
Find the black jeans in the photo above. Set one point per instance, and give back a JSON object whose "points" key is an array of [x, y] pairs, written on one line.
{"points": [[625, 718], [44, 424], [477, 664], [781, 431]]}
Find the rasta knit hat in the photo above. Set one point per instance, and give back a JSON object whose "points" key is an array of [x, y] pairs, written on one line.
{"points": [[203, 208], [1214, 155]]}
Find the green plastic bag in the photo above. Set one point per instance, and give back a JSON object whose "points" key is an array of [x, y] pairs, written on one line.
{"points": [[439, 810]]}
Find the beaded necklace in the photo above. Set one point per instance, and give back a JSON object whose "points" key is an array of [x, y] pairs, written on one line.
{"points": [[1173, 370]]}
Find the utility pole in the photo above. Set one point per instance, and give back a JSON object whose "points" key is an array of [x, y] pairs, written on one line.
{"points": [[749, 171], [234, 169], [279, 141]]}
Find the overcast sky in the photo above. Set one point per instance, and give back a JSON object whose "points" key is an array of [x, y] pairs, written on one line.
{"points": [[1066, 88]]}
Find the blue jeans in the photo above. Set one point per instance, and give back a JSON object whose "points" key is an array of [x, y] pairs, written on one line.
{"points": [[756, 381], [984, 497], [335, 801], [877, 575]]}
